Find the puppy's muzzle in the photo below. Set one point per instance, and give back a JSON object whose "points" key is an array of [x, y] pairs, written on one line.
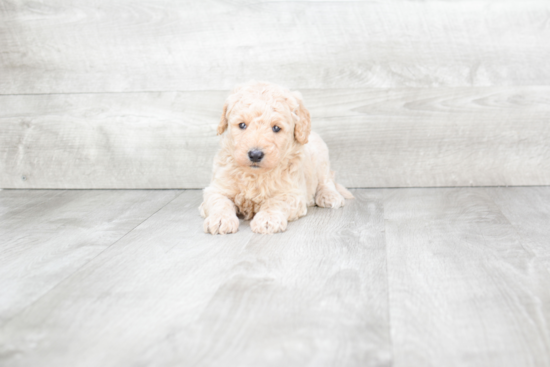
{"points": [[255, 155]]}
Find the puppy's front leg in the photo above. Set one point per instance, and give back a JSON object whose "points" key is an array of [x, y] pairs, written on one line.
{"points": [[219, 213], [275, 213]]}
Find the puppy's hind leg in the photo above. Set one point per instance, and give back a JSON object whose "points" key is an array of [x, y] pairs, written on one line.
{"points": [[344, 192], [328, 197], [331, 194]]}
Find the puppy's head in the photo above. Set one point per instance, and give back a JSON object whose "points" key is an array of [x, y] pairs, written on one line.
{"points": [[265, 124]]}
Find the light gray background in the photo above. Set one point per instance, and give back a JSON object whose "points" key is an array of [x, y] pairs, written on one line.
{"points": [[127, 94]]}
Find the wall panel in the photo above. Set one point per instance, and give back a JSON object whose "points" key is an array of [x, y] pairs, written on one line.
{"points": [[63, 46], [377, 137]]}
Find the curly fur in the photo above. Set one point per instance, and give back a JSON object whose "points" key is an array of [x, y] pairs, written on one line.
{"points": [[294, 173]]}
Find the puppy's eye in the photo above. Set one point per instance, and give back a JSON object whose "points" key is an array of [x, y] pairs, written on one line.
{"points": [[242, 125], [276, 129]]}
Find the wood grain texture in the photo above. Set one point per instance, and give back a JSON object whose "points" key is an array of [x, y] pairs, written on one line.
{"points": [[150, 140], [47, 235], [169, 295], [528, 210], [467, 271], [377, 137], [464, 291], [64, 46]]}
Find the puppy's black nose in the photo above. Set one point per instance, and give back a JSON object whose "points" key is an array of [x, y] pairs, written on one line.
{"points": [[255, 155]]}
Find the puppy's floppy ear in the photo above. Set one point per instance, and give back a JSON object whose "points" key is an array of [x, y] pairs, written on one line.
{"points": [[303, 125], [223, 122], [233, 98]]}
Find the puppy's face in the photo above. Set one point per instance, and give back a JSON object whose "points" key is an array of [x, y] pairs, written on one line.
{"points": [[261, 133], [262, 121]]}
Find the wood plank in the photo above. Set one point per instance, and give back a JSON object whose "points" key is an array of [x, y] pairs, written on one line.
{"points": [[377, 137], [14, 202], [64, 46], [160, 140], [46, 236], [463, 289], [151, 140], [528, 210], [168, 294]]}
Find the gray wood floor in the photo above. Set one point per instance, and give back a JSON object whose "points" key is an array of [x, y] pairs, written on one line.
{"points": [[399, 277]]}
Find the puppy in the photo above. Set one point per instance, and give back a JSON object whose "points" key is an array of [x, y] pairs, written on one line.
{"points": [[270, 167]]}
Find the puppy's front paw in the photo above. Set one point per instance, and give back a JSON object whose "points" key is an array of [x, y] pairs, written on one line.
{"points": [[221, 223], [327, 198], [268, 222]]}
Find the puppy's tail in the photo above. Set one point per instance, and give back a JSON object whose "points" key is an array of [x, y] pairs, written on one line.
{"points": [[344, 192]]}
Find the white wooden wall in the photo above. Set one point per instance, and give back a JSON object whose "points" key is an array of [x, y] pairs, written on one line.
{"points": [[127, 93]]}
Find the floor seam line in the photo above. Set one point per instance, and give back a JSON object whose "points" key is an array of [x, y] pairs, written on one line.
{"points": [[390, 334]]}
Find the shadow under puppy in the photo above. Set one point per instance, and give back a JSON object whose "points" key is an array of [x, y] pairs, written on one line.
{"points": [[270, 167]]}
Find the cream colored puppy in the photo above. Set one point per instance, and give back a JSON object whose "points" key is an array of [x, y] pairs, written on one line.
{"points": [[270, 167]]}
